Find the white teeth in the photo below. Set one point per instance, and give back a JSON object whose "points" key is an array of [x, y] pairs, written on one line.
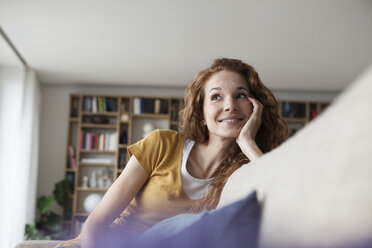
{"points": [[230, 120]]}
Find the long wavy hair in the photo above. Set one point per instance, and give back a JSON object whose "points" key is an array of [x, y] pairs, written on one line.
{"points": [[272, 133]]}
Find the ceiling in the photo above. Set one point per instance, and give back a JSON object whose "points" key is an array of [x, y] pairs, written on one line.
{"points": [[293, 44]]}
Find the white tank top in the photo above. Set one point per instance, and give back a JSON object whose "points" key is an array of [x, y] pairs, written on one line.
{"points": [[194, 188]]}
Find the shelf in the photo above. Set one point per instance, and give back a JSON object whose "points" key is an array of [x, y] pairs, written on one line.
{"points": [[70, 170], [156, 116], [98, 151], [101, 113], [92, 189], [74, 119], [96, 164], [174, 122], [123, 145], [108, 126]]}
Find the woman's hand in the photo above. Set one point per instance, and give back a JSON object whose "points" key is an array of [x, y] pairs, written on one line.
{"points": [[247, 135]]}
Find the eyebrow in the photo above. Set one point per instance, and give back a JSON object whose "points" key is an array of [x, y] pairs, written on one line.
{"points": [[239, 88]]}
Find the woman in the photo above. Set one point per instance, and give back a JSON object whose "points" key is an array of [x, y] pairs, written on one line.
{"points": [[229, 119]]}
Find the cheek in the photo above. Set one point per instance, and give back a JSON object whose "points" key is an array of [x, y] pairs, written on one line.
{"points": [[249, 109]]}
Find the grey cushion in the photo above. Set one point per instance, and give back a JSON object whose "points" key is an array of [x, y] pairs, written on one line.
{"points": [[38, 244]]}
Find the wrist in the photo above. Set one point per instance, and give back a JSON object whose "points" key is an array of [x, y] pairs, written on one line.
{"points": [[250, 148]]}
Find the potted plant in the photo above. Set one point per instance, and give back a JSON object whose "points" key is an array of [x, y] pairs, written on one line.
{"points": [[48, 224]]}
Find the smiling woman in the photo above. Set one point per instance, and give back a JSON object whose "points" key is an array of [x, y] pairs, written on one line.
{"points": [[233, 118], [229, 119]]}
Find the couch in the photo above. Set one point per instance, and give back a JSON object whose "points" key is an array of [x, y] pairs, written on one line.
{"points": [[316, 188]]}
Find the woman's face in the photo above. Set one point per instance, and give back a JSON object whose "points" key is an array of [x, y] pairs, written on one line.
{"points": [[226, 107]]}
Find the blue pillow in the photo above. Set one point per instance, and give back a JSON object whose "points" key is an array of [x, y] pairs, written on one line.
{"points": [[235, 225]]}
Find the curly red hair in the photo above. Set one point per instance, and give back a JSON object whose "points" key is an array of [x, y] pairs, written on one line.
{"points": [[272, 133]]}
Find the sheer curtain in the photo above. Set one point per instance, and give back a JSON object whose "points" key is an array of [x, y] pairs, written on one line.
{"points": [[19, 143]]}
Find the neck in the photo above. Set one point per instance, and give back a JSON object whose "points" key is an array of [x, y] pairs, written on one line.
{"points": [[209, 156]]}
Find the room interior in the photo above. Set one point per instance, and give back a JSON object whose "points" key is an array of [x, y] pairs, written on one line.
{"points": [[303, 51]]}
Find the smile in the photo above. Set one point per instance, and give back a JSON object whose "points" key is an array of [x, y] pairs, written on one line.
{"points": [[230, 120]]}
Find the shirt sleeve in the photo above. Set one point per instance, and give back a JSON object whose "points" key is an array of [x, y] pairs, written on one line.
{"points": [[146, 151]]}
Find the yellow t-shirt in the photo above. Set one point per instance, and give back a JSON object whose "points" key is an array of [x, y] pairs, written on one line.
{"points": [[160, 154]]}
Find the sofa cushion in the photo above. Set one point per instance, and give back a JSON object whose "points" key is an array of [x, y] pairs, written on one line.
{"points": [[317, 186], [235, 225]]}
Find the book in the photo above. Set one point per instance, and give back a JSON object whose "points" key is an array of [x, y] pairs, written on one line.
{"points": [[100, 107], [81, 139], [104, 108], [136, 106], [70, 177], [157, 106], [107, 141], [72, 157], [96, 141], [101, 145], [113, 141], [142, 105], [94, 104], [149, 106], [110, 105]]}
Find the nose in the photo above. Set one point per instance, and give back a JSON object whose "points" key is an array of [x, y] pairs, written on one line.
{"points": [[230, 105]]}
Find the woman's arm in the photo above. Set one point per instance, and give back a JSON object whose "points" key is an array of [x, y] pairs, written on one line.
{"points": [[247, 135], [116, 199]]}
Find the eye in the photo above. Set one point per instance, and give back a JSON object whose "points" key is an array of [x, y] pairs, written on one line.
{"points": [[241, 96], [215, 97]]}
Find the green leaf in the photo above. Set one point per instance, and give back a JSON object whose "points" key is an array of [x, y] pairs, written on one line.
{"points": [[61, 192], [50, 222], [32, 233], [44, 203]]}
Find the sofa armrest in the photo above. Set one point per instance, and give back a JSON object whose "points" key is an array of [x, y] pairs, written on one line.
{"points": [[38, 244]]}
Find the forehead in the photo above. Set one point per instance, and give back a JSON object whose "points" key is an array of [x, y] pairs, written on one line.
{"points": [[224, 80]]}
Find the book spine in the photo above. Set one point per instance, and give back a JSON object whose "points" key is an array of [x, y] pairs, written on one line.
{"points": [[136, 106], [72, 157], [107, 141], [94, 104], [142, 105], [81, 139], [157, 106], [113, 141], [101, 141], [100, 108], [104, 104], [86, 138]]}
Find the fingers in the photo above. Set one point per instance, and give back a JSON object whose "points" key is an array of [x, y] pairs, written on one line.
{"points": [[257, 106]]}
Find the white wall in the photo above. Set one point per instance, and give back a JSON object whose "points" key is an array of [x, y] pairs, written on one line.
{"points": [[54, 117]]}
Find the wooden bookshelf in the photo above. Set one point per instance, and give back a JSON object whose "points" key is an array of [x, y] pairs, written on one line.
{"points": [[123, 119]]}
